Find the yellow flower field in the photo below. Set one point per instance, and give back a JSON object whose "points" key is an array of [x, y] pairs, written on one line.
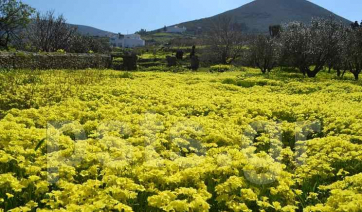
{"points": [[97, 140]]}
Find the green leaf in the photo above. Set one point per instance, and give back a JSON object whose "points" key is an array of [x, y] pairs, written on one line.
{"points": [[39, 144]]}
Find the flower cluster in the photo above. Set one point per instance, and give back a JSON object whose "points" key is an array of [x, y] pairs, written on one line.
{"points": [[93, 140]]}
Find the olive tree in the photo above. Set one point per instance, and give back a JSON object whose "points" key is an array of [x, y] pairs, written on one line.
{"points": [[50, 33], [338, 59], [225, 39], [86, 44], [14, 16], [264, 52], [309, 47], [352, 51]]}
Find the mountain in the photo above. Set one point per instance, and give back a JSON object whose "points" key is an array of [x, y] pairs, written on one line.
{"points": [[260, 14], [87, 30]]}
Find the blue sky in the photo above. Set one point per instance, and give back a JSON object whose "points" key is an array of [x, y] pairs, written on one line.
{"points": [[131, 15]]}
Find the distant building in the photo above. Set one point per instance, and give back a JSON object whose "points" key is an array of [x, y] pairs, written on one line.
{"points": [[127, 41], [176, 29]]}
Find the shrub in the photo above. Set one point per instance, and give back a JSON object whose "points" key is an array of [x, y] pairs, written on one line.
{"points": [[61, 51], [229, 81], [221, 68], [249, 83], [245, 84], [126, 75], [175, 69], [118, 60], [178, 69], [150, 64], [22, 54], [154, 68]]}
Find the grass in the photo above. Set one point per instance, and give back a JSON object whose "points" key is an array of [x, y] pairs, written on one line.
{"points": [[164, 37]]}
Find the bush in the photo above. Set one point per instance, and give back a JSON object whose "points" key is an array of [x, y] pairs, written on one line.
{"points": [[150, 64], [175, 69], [249, 83], [154, 68], [126, 75], [221, 68], [229, 81], [118, 60], [22, 54], [178, 69], [245, 84], [62, 51], [117, 63]]}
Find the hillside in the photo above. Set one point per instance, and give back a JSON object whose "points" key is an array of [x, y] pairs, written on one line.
{"points": [[260, 14], [87, 30]]}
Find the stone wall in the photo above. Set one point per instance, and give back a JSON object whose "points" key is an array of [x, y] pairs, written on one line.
{"points": [[25, 60]]}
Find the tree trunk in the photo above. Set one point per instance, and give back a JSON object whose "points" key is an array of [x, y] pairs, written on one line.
{"points": [[224, 58], [7, 41], [355, 74], [343, 73], [304, 72], [311, 74], [339, 73]]}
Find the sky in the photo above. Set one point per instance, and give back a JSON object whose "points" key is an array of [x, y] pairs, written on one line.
{"points": [[129, 16]]}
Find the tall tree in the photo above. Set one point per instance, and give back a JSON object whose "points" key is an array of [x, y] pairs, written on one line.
{"points": [[14, 16], [225, 38], [86, 44], [50, 33], [264, 52], [339, 56], [353, 52], [309, 47]]}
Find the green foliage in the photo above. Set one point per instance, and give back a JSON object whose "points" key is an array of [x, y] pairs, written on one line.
{"points": [[221, 68], [175, 69], [229, 81], [154, 69], [162, 38], [62, 51], [126, 75], [88, 44], [14, 15], [12, 49], [22, 54], [247, 83], [158, 55], [151, 64]]}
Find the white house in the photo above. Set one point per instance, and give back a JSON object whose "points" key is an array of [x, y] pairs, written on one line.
{"points": [[176, 29], [127, 41]]}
